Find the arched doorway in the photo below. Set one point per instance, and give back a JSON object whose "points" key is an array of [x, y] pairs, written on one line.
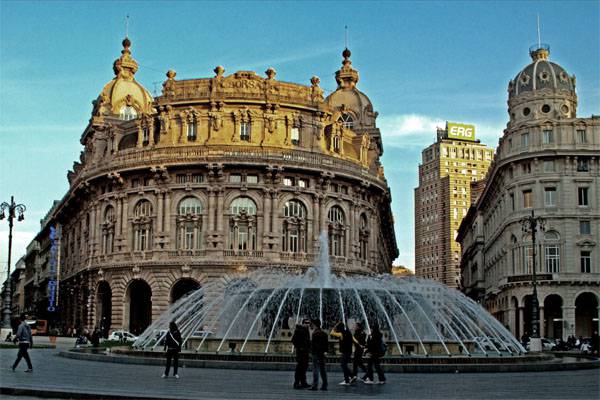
{"points": [[183, 287], [553, 316], [104, 308], [586, 314], [139, 299]]}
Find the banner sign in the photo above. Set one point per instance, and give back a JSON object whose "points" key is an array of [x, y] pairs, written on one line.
{"points": [[53, 263], [460, 131]]}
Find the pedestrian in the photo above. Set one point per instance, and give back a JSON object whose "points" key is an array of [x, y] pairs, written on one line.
{"points": [[173, 347], [319, 346], [376, 349], [95, 337], [360, 341], [595, 343], [341, 332], [301, 342], [25, 340]]}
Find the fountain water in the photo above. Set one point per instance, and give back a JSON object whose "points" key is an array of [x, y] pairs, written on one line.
{"points": [[258, 312]]}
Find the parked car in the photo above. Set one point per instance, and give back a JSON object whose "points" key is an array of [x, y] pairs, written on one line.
{"points": [[122, 336]]}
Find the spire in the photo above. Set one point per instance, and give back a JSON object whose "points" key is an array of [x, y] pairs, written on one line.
{"points": [[346, 77], [125, 66], [539, 51]]}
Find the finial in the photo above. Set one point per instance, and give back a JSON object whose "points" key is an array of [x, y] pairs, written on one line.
{"points": [[171, 74], [271, 73], [346, 36], [538, 31], [219, 71]]}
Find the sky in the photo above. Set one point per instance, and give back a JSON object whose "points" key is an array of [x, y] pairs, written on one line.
{"points": [[421, 64]]}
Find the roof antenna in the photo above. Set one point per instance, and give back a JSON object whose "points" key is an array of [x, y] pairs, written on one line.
{"points": [[538, 32], [127, 25], [346, 36]]}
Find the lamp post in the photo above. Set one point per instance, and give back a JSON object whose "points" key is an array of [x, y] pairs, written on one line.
{"points": [[13, 210], [532, 224]]}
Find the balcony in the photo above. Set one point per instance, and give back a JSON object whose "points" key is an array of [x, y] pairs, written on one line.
{"points": [[243, 253]]}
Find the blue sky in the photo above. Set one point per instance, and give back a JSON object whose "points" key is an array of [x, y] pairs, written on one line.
{"points": [[421, 63]]}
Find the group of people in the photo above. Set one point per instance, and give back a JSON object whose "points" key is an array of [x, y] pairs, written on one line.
{"points": [[310, 340]]}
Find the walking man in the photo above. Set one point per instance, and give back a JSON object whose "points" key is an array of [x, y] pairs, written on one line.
{"points": [[301, 342], [25, 340], [376, 349], [319, 345]]}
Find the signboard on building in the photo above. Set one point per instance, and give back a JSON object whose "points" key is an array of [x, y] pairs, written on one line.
{"points": [[460, 131]]}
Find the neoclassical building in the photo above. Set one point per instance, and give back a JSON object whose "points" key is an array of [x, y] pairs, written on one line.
{"points": [[215, 177], [547, 162]]}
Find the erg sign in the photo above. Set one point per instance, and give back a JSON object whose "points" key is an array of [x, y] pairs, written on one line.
{"points": [[460, 131]]}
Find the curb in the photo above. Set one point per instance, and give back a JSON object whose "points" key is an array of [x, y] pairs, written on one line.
{"points": [[556, 365], [63, 394]]}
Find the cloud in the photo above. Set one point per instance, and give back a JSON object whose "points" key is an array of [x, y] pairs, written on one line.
{"points": [[419, 131]]}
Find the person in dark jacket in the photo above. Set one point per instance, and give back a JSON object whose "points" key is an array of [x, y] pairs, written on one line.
{"points": [[319, 345], [301, 342], [95, 337], [25, 340], [345, 338], [173, 347], [360, 342], [374, 354]]}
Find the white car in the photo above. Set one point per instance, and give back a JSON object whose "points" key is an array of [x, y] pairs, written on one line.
{"points": [[122, 336]]}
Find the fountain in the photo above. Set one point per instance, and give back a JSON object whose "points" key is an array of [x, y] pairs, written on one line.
{"points": [[256, 313]]}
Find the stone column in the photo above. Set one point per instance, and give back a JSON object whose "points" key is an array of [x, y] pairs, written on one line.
{"points": [[521, 322], [267, 211], [140, 137], [568, 313], [124, 226], [160, 226], [316, 226], [167, 213], [275, 213], [92, 229], [119, 216], [220, 209], [543, 332], [211, 210], [150, 128]]}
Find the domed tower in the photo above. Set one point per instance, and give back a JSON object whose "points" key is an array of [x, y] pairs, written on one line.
{"points": [[541, 90], [353, 115]]}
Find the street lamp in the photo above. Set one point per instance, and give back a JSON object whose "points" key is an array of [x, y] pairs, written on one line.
{"points": [[13, 210], [532, 224]]}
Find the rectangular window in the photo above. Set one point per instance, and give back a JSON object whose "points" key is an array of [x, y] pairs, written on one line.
{"points": [[135, 183], [585, 228], [548, 137], [581, 136], [197, 178], [509, 143], [295, 136], [235, 178], [552, 258], [191, 131], [586, 261], [181, 178], [548, 165], [524, 140], [251, 179], [512, 201], [550, 197], [245, 131], [287, 181], [527, 198], [582, 196], [303, 183], [145, 135], [526, 168], [583, 164]]}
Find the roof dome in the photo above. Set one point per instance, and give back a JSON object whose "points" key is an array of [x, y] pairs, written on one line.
{"points": [[541, 74], [123, 91]]}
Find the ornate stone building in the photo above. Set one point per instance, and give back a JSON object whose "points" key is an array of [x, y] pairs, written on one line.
{"points": [[547, 162], [215, 177]]}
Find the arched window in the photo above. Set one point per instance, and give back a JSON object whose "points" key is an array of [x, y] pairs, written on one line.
{"points": [[346, 120], [127, 113], [293, 238], [142, 226], [552, 252], [242, 227], [363, 235], [337, 232], [189, 224], [108, 230]]}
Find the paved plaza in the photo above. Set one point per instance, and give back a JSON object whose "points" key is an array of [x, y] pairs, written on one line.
{"points": [[89, 379]]}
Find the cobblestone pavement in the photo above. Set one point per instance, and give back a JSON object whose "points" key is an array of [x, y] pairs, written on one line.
{"points": [[53, 373]]}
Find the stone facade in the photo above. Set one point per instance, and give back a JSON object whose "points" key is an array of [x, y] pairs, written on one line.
{"points": [[215, 177], [441, 200], [547, 162]]}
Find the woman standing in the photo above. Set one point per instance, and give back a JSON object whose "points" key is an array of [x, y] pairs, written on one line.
{"points": [[173, 347], [375, 350]]}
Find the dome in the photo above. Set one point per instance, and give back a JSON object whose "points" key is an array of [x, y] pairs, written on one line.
{"points": [[123, 95], [541, 74]]}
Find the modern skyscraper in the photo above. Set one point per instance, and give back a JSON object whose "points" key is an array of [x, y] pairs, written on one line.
{"points": [[443, 197]]}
